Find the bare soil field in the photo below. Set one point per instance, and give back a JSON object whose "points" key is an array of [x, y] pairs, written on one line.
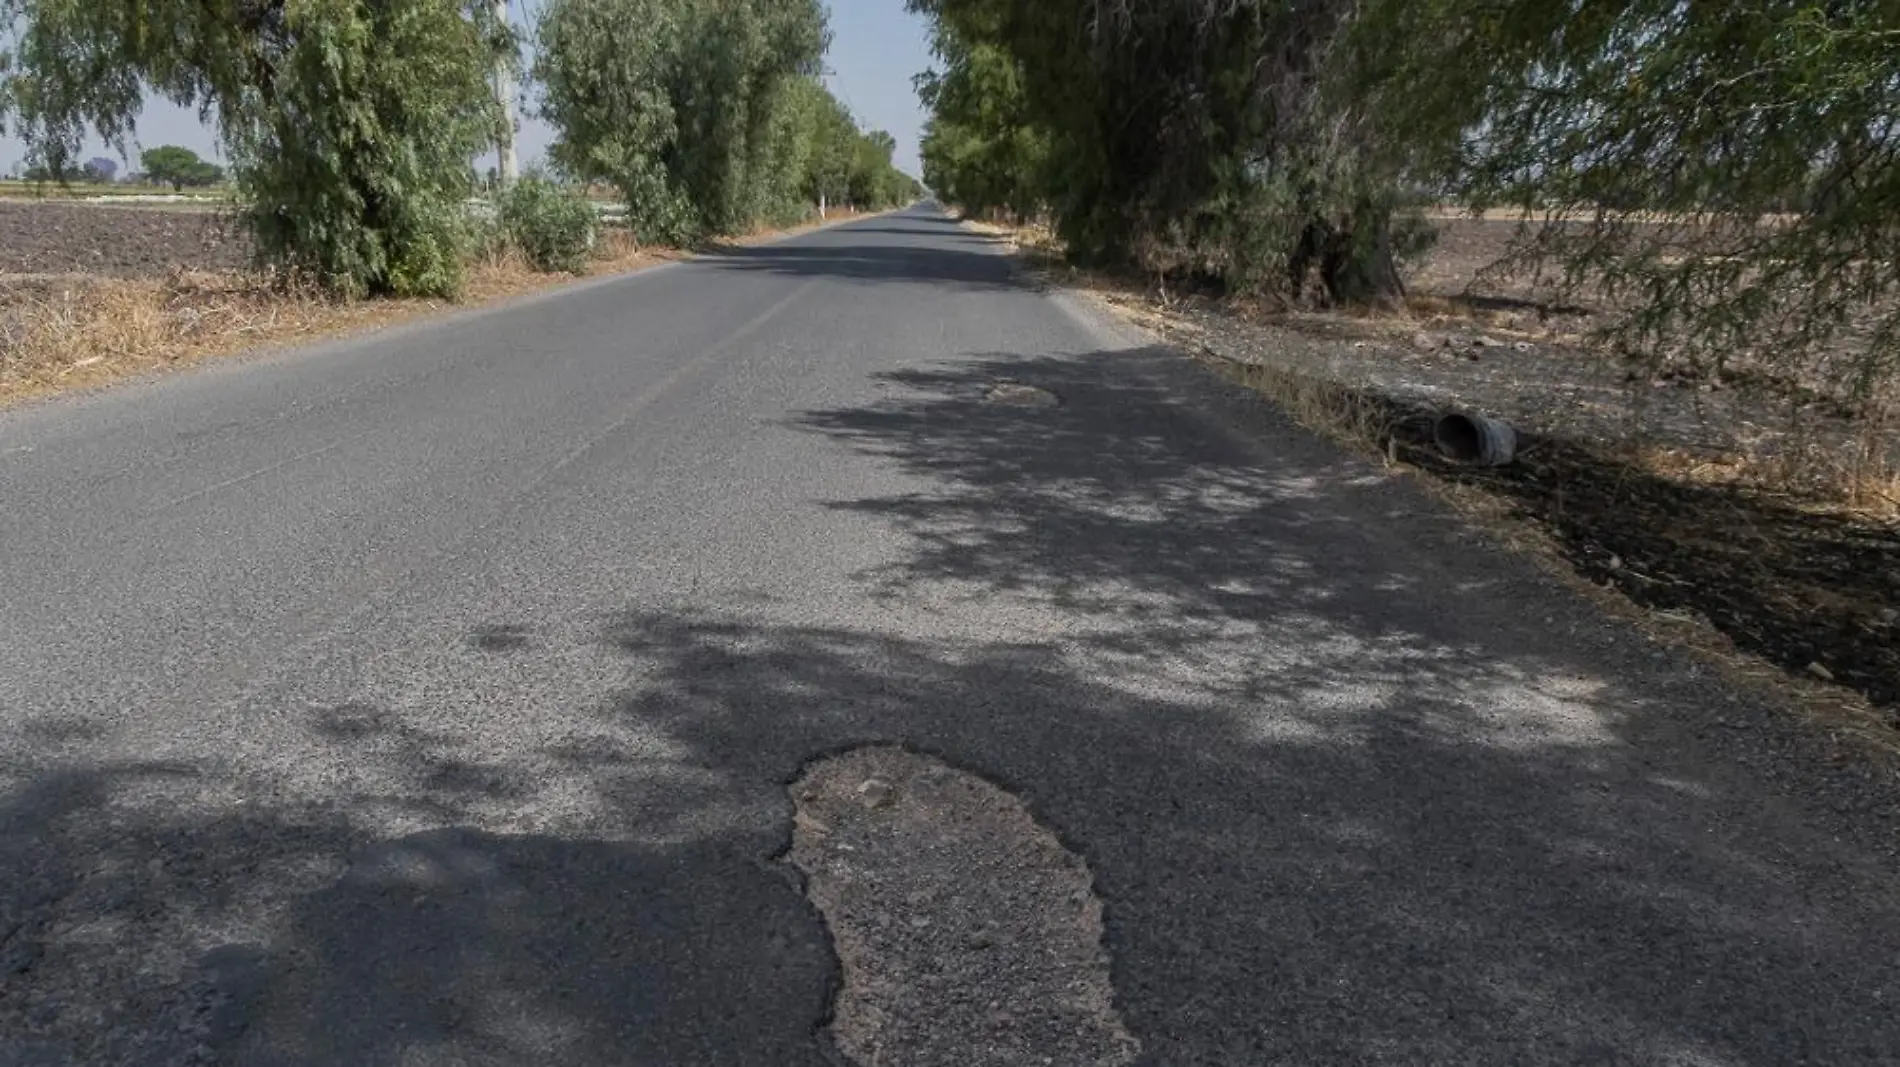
{"points": [[66, 237], [1715, 506]]}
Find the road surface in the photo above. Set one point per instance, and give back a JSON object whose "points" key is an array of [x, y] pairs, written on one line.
{"points": [[432, 698]]}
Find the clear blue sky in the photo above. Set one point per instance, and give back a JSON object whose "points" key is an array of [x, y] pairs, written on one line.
{"points": [[876, 49]]}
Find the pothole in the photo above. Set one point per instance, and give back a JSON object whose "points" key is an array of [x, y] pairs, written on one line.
{"points": [[1016, 394], [967, 934]]}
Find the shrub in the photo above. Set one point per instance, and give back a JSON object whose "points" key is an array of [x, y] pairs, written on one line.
{"points": [[554, 228]]}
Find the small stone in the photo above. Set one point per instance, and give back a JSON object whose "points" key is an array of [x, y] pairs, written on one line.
{"points": [[1820, 672], [1424, 342], [875, 792], [1523, 346], [1888, 615], [1483, 341], [920, 923], [982, 939]]}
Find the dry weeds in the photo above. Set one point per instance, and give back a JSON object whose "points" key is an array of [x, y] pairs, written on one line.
{"points": [[71, 331]]}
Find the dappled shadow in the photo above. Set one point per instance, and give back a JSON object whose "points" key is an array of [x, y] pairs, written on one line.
{"points": [[532, 949], [277, 932], [1094, 507], [1806, 589], [1329, 867], [1353, 788], [934, 232], [957, 261], [1356, 788]]}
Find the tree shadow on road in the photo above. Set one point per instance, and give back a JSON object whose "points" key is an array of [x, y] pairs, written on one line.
{"points": [[1354, 789], [958, 262]]}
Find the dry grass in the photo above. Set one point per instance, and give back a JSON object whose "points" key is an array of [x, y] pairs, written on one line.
{"points": [[69, 331], [1857, 481], [74, 331]]}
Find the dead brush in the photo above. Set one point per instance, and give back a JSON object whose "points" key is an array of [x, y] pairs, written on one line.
{"points": [[1856, 476], [84, 330], [1348, 416]]}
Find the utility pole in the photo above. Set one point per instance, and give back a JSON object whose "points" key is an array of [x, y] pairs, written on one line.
{"points": [[505, 94], [824, 206]]}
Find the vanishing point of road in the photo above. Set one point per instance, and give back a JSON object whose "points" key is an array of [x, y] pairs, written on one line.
{"points": [[432, 697]]}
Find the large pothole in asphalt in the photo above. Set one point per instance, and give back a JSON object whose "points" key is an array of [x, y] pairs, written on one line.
{"points": [[967, 934]]}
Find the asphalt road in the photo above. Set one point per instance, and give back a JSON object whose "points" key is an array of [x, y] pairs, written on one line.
{"points": [[431, 698]]}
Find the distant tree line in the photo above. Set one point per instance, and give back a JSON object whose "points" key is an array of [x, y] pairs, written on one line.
{"points": [[707, 118]]}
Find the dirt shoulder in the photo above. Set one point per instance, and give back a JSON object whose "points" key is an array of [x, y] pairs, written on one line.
{"points": [[1643, 492], [94, 294]]}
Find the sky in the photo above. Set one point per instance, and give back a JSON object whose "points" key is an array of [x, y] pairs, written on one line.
{"points": [[876, 48]]}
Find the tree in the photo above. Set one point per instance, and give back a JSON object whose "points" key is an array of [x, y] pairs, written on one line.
{"points": [[101, 169], [349, 125], [1729, 172], [833, 148], [1202, 137], [178, 167], [603, 67], [696, 112], [981, 149]]}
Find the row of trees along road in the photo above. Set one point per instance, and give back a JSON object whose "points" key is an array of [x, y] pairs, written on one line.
{"points": [[1727, 171], [351, 127]]}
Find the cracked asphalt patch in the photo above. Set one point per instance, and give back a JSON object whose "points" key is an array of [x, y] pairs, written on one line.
{"points": [[967, 933]]}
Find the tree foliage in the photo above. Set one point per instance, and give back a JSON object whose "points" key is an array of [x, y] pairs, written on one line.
{"points": [[349, 124], [178, 167], [708, 117], [551, 226], [1725, 171], [1195, 136], [1729, 172]]}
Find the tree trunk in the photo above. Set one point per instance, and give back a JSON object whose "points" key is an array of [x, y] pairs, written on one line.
{"points": [[1355, 260], [505, 95]]}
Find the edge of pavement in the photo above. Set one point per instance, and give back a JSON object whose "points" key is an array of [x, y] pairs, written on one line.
{"points": [[404, 324], [1750, 718]]}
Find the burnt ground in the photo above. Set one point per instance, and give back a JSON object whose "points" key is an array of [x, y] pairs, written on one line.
{"points": [[58, 237], [1630, 474]]}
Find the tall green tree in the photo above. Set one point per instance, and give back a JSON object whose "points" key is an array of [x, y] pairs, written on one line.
{"points": [[349, 124], [982, 149], [178, 167], [692, 109], [1199, 136]]}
